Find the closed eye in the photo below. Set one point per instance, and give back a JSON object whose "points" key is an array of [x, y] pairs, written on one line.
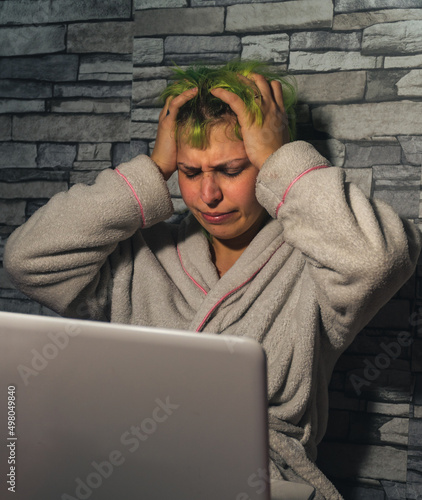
{"points": [[228, 169], [232, 173], [191, 174]]}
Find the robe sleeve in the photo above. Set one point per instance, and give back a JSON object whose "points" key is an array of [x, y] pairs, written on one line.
{"points": [[358, 250], [60, 255]]}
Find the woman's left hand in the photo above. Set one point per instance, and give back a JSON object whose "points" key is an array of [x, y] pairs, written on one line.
{"points": [[260, 141]]}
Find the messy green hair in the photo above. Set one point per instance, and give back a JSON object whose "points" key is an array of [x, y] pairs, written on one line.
{"points": [[198, 115]]}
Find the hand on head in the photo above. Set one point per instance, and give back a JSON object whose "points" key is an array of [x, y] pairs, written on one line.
{"points": [[260, 139], [165, 150]]}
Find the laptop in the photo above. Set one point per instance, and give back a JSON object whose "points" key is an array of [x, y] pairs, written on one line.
{"points": [[102, 411]]}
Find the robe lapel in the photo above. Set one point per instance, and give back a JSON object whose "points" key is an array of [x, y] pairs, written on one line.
{"points": [[196, 258]]}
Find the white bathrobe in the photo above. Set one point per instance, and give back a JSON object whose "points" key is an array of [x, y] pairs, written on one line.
{"points": [[316, 273]]}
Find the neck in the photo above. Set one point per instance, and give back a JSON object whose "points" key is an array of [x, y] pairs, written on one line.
{"points": [[226, 252], [224, 257]]}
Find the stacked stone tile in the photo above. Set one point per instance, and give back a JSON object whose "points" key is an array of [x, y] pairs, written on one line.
{"points": [[65, 101], [79, 83]]}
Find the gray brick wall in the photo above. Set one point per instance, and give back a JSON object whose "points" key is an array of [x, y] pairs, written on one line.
{"points": [[65, 105], [78, 92]]}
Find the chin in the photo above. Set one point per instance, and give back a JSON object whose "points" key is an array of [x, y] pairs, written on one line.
{"points": [[225, 235]]}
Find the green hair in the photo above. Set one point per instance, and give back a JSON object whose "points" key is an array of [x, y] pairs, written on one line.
{"points": [[196, 117]]}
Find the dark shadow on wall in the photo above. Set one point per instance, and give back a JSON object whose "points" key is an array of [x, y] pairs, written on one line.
{"points": [[373, 445], [372, 402]]}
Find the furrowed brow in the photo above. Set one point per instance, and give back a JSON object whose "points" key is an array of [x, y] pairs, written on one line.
{"points": [[232, 163], [189, 167]]}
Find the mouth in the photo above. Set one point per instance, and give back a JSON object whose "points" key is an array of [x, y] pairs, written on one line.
{"points": [[217, 217]]}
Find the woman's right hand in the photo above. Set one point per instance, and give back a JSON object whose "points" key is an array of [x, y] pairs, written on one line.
{"points": [[165, 149]]}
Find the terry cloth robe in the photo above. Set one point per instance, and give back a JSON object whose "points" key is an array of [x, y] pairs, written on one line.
{"points": [[316, 273]]}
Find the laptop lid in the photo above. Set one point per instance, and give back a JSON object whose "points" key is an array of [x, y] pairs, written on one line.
{"points": [[105, 411]]}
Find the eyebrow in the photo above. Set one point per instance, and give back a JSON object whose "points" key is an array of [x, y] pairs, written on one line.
{"points": [[227, 164]]}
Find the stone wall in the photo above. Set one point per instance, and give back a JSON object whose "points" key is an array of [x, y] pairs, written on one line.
{"points": [[78, 88], [65, 105]]}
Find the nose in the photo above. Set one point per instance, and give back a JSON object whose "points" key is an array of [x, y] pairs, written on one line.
{"points": [[211, 193]]}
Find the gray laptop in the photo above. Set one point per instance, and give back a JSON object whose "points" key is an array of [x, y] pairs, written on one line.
{"points": [[104, 411]]}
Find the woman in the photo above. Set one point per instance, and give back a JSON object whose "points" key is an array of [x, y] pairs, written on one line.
{"points": [[278, 247]]}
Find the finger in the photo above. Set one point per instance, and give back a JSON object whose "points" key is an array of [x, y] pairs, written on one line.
{"points": [[177, 102], [262, 85], [249, 81], [278, 93], [165, 108], [235, 102]]}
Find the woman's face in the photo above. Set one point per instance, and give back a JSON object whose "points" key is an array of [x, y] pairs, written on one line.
{"points": [[218, 186]]}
